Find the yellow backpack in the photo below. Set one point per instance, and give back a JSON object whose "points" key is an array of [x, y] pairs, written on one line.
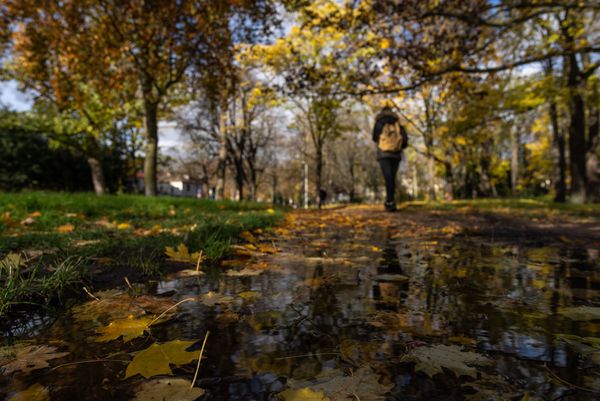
{"points": [[390, 139]]}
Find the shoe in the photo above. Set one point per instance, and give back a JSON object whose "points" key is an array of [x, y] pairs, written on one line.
{"points": [[390, 206]]}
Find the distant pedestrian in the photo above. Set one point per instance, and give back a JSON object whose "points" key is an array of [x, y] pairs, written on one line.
{"points": [[390, 137]]}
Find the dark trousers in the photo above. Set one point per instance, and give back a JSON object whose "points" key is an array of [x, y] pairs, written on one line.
{"points": [[389, 167]]}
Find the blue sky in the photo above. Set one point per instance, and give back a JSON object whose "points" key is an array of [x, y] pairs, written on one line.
{"points": [[14, 99]]}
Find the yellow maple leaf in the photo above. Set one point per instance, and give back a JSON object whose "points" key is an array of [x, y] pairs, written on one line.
{"points": [[155, 359], [182, 254], [129, 328]]}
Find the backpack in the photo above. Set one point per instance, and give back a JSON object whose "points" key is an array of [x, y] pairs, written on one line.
{"points": [[390, 139]]}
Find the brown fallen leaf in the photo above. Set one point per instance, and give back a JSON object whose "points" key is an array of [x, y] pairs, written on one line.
{"points": [[167, 389], [36, 392], [28, 358]]}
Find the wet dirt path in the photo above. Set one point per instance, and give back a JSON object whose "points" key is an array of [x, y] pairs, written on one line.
{"points": [[342, 304]]}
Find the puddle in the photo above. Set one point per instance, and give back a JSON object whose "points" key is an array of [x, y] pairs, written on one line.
{"points": [[355, 305]]}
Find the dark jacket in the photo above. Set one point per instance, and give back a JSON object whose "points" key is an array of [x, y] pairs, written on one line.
{"points": [[383, 118]]}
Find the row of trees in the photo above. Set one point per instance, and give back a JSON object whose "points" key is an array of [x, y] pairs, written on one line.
{"points": [[499, 97]]}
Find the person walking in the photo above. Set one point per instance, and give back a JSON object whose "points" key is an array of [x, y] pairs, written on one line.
{"points": [[391, 139]]}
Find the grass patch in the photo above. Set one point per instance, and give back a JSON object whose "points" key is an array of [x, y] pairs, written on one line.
{"points": [[523, 207], [125, 232]]}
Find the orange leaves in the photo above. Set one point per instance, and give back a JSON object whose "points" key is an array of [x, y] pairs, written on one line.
{"points": [[65, 228]]}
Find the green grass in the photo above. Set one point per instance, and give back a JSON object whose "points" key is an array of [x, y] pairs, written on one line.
{"points": [[524, 207], [110, 232]]}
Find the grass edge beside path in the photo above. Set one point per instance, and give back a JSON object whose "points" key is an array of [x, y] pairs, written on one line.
{"points": [[52, 244]]}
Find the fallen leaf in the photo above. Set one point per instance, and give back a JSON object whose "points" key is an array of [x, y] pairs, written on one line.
{"points": [[83, 242], [188, 273], [431, 360], [244, 272], [304, 394], [462, 340], [181, 254], [249, 295], [362, 384], [155, 360], [36, 392], [114, 304], [65, 228], [28, 221], [581, 312], [27, 358], [12, 260], [123, 226], [129, 328], [35, 214], [270, 211], [582, 345], [264, 248], [213, 298], [167, 390], [391, 277], [247, 235]]}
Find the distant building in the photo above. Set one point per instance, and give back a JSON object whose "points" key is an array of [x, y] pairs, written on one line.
{"points": [[174, 185]]}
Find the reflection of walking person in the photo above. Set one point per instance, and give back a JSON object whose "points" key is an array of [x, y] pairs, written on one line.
{"points": [[391, 139]]}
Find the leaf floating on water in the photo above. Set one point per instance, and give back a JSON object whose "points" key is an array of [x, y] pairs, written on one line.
{"points": [[213, 298], [391, 277], [181, 254], [36, 392], [581, 312], [304, 394], [115, 304], [155, 360], [129, 328], [27, 358], [167, 390], [244, 272], [582, 345], [362, 384], [432, 360]]}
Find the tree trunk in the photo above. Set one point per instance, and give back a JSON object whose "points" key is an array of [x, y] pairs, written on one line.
{"points": [[319, 151], [592, 162], [239, 181], [97, 175], [222, 161], [560, 184], [514, 160], [560, 181], [151, 122], [431, 173], [577, 145], [449, 181]]}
